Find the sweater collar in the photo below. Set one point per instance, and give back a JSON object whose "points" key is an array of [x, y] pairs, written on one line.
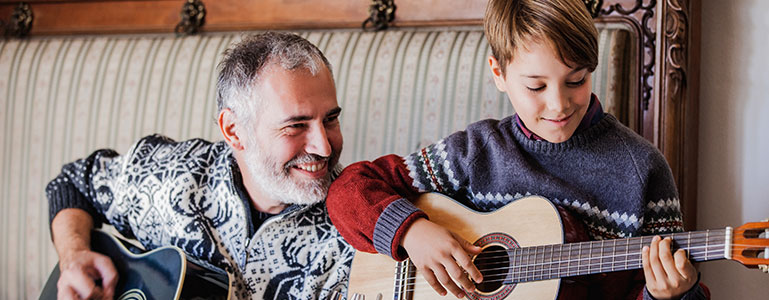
{"points": [[593, 115]]}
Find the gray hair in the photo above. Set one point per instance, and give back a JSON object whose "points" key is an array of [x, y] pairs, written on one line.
{"points": [[243, 64]]}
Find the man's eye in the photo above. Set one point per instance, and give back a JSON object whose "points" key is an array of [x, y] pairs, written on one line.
{"points": [[332, 119]]}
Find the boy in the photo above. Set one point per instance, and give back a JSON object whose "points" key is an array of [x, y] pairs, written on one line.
{"points": [[559, 145]]}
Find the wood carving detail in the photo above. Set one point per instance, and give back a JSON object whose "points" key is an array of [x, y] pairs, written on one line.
{"points": [[676, 23], [649, 36]]}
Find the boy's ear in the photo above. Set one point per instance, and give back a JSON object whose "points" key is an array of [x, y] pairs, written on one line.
{"points": [[228, 126], [496, 71]]}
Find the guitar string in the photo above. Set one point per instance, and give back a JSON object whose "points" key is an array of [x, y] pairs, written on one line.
{"points": [[714, 235], [589, 267], [698, 251], [693, 252], [637, 265], [409, 287], [534, 250], [598, 245]]}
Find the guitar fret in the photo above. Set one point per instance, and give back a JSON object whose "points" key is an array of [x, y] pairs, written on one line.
{"points": [[613, 257], [568, 265], [550, 262], [537, 265], [529, 263], [600, 258], [707, 241]]}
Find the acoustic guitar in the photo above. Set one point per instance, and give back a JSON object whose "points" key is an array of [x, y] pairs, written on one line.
{"points": [[162, 273], [524, 256]]}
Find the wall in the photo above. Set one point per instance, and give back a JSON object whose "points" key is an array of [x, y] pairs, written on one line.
{"points": [[734, 133]]}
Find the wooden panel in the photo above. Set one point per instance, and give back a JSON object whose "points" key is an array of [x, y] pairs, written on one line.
{"points": [[136, 16]]}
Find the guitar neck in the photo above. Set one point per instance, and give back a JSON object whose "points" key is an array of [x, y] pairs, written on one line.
{"points": [[564, 260]]}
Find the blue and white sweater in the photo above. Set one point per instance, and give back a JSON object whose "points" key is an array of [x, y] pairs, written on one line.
{"points": [[190, 195]]}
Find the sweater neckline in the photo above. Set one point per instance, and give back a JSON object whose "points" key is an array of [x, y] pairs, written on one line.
{"points": [[575, 141]]}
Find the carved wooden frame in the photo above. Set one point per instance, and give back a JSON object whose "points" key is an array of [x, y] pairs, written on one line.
{"points": [[666, 105], [668, 87]]}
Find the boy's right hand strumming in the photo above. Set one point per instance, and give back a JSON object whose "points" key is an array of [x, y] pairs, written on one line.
{"points": [[443, 257]]}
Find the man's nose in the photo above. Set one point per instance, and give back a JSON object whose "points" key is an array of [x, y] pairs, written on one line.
{"points": [[317, 142]]}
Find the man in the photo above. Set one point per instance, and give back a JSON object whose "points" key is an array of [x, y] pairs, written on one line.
{"points": [[251, 204]]}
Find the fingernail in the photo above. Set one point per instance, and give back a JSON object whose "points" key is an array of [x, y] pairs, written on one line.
{"points": [[646, 248]]}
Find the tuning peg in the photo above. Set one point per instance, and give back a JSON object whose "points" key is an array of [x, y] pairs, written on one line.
{"points": [[764, 268]]}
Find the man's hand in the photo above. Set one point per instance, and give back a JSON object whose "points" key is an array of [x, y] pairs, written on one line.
{"points": [[668, 276], [442, 257], [86, 275]]}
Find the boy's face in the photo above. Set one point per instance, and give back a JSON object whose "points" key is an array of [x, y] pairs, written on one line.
{"points": [[549, 97]]}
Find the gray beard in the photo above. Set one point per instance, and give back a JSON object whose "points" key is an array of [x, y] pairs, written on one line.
{"points": [[276, 182]]}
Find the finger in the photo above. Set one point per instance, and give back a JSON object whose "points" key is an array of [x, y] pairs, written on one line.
{"points": [[654, 260], [83, 284], [666, 258], [684, 265], [468, 247], [449, 284], [109, 276], [433, 282], [466, 262], [458, 273], [65, 293], [648, 273]]}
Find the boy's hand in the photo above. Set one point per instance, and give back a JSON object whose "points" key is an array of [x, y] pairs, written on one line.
{"points": [[668, 276], [442, 257]]}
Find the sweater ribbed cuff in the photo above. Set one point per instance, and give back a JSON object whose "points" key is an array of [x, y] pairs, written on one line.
{"points": [[694, 293], [391, 219], [63, 195]]}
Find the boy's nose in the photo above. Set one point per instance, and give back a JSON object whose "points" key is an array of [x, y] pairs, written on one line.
{"points": [[557, 100]]}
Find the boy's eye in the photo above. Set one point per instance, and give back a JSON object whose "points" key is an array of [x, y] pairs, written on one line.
{"points": [[577, 83], [536, 89]]}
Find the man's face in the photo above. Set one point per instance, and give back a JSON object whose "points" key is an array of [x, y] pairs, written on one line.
{"points": [[295, 140], [550, 97]]}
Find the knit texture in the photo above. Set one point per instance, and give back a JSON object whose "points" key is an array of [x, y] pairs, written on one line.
{"points": [[188, 195], [612, 179]]}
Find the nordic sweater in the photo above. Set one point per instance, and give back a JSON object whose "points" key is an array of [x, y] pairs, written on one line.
{"points": [[615, 181], [190, 195]]}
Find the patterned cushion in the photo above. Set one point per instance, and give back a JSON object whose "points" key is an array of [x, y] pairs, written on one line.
{"points": [[63, 97]]}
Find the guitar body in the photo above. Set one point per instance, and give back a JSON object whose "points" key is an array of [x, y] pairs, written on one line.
{"points": [[529, 221], [162, 273]]}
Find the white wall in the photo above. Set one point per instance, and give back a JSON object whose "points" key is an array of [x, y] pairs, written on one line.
{"points": [[733, 181]]}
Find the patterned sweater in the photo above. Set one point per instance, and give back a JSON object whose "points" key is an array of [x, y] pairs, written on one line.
{"points": [[616, 182], [190, 195]]}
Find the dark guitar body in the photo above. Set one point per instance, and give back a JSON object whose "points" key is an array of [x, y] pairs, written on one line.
{"points": [[163, 273]]}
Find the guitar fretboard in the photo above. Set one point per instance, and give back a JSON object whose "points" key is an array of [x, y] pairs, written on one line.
{"points": [[564, 260]]}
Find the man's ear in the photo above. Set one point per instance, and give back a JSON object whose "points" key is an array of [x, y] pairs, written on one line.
{"points": [[496, 71], [229, 128]]}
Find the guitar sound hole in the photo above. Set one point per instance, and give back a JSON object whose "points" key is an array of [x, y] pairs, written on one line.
{"points": [[493, 263]]}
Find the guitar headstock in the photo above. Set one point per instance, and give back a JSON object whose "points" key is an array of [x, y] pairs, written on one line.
{"points": [[750, 245]]}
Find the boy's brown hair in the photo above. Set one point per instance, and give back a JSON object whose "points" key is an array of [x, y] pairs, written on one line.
{"points": [[564, 24]]}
